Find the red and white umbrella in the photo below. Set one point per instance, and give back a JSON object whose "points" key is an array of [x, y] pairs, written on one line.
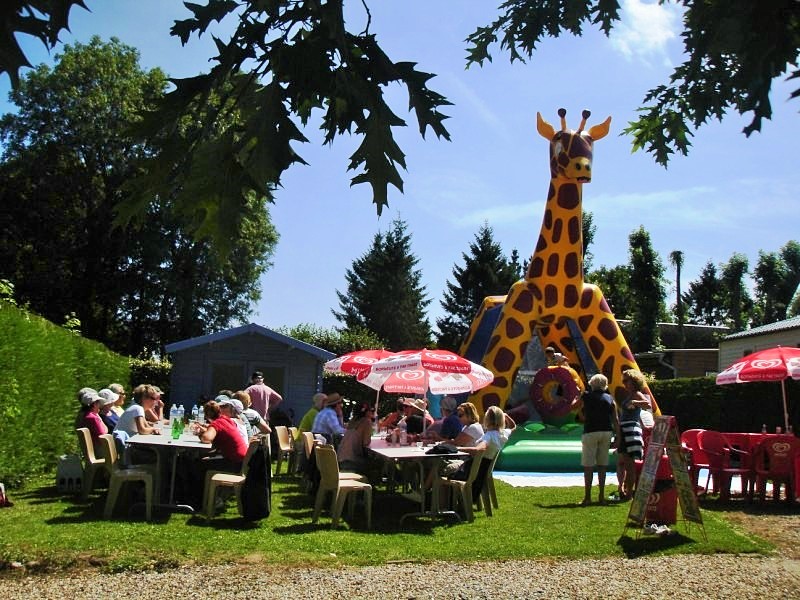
{"points": [[773, 364], [417, 371], [354, 363], [439, 361]]}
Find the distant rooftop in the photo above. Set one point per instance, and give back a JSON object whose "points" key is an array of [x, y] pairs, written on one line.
{"points": [[793, 323]]}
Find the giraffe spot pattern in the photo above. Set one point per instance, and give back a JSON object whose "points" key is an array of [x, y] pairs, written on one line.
{"points": [[536, 268], [586, 297], [514, 328], [558, 227], [584, 321], [552, 265], [524, 302], [490, 400], [550, 296], [568, 196], [626, 353], [503, 360], [570, 296], [574, 230], [572, 265], [536, 291], [596, 346], [608, 366], [608, 329]]}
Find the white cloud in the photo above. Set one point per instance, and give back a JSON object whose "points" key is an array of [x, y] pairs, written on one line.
{"points": [[645, 29]]}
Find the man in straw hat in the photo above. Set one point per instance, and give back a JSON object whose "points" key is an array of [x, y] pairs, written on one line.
{"points": [[329, 420], [416, 418]]}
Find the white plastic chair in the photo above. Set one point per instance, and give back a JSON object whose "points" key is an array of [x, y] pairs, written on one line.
{"points": [[91, 463], [461, 491], [118, 476], [285, 448], [219, 479], [341, 489]]}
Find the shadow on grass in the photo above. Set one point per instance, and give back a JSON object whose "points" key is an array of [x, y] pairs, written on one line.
{"points": [[756, 507], [387, 510], [651, 544]]}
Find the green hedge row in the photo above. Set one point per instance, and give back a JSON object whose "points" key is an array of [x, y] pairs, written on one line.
{"points": [[700, 403], [42, 366]]}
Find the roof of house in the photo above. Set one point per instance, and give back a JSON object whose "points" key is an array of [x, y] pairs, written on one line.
{"points": [[793, 323], [250, 329]]}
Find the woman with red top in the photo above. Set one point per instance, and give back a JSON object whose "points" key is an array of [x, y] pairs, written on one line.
{"points": [[223, 434], [229, 446], [89, 416]]}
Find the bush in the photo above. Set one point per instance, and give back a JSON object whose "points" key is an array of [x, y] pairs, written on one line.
{"points": [[42, 366], [700, 403]]}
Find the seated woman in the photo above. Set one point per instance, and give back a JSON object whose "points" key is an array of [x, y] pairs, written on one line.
{"points": [[223, 434], [497, 427], [89, 416], [470, 433], [133, 419], [107, 414], [257, 423], [390, 421], [155, 414], [229, 451], [357, 436]]}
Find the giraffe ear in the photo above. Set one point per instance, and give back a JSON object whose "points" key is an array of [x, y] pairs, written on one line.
{"points": [[544, 128], [600, 131]]}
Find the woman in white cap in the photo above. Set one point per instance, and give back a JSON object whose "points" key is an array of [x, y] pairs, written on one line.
{"points": [[233, 410], [89, 414], [107, 415]]}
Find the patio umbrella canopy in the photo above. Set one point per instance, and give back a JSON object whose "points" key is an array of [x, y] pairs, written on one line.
{"points": [[417, 371], [354, 363], [773, 364]]}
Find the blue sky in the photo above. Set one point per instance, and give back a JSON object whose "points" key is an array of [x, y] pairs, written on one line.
{"points": [[731, 194]]}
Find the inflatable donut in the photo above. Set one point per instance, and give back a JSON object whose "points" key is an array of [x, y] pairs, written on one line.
{"points": [[552, 392]]}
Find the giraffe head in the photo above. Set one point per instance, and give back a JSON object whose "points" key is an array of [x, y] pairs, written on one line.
{"points": [[571, 151]]}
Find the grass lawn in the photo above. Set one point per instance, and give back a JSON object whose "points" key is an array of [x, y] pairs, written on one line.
{"points": [[61, 532]]}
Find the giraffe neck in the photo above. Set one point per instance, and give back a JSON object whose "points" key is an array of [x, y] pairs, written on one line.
{"points": [[558, 258]]}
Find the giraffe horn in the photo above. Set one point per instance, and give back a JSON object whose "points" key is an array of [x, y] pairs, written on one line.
{"points": [[562, 112], [585, 116]]}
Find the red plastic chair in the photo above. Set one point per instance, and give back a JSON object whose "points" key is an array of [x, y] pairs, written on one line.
{"points": [[718, 451], [699, 459], [774, 461]]}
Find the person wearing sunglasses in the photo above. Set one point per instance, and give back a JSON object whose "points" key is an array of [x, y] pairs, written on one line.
{"points": [[352, 452]]}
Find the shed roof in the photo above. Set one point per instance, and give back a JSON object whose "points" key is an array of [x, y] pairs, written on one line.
{"points": [[250, 329], [788, 324]]}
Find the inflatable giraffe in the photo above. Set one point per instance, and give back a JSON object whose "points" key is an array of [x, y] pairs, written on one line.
{"points": [[553, 301]]}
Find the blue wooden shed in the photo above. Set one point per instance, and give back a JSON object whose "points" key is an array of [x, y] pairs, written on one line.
{"points": [[225, 360]]}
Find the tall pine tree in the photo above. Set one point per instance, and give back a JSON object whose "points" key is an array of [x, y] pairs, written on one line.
{"points": [[703, 300], [384, 294], [647, 292], [486, 272]]}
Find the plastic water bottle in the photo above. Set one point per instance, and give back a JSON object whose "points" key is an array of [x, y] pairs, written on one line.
{"points": [[201, 415], [195, 412], [173, 415], [180, 413], [764, 428], [403, 434]]}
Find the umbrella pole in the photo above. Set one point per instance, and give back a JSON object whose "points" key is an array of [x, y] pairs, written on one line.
{"points": [[785, 411], [377, 401]]}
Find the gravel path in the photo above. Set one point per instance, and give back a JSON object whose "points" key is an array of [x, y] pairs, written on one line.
{"points": [[699, 577]]}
